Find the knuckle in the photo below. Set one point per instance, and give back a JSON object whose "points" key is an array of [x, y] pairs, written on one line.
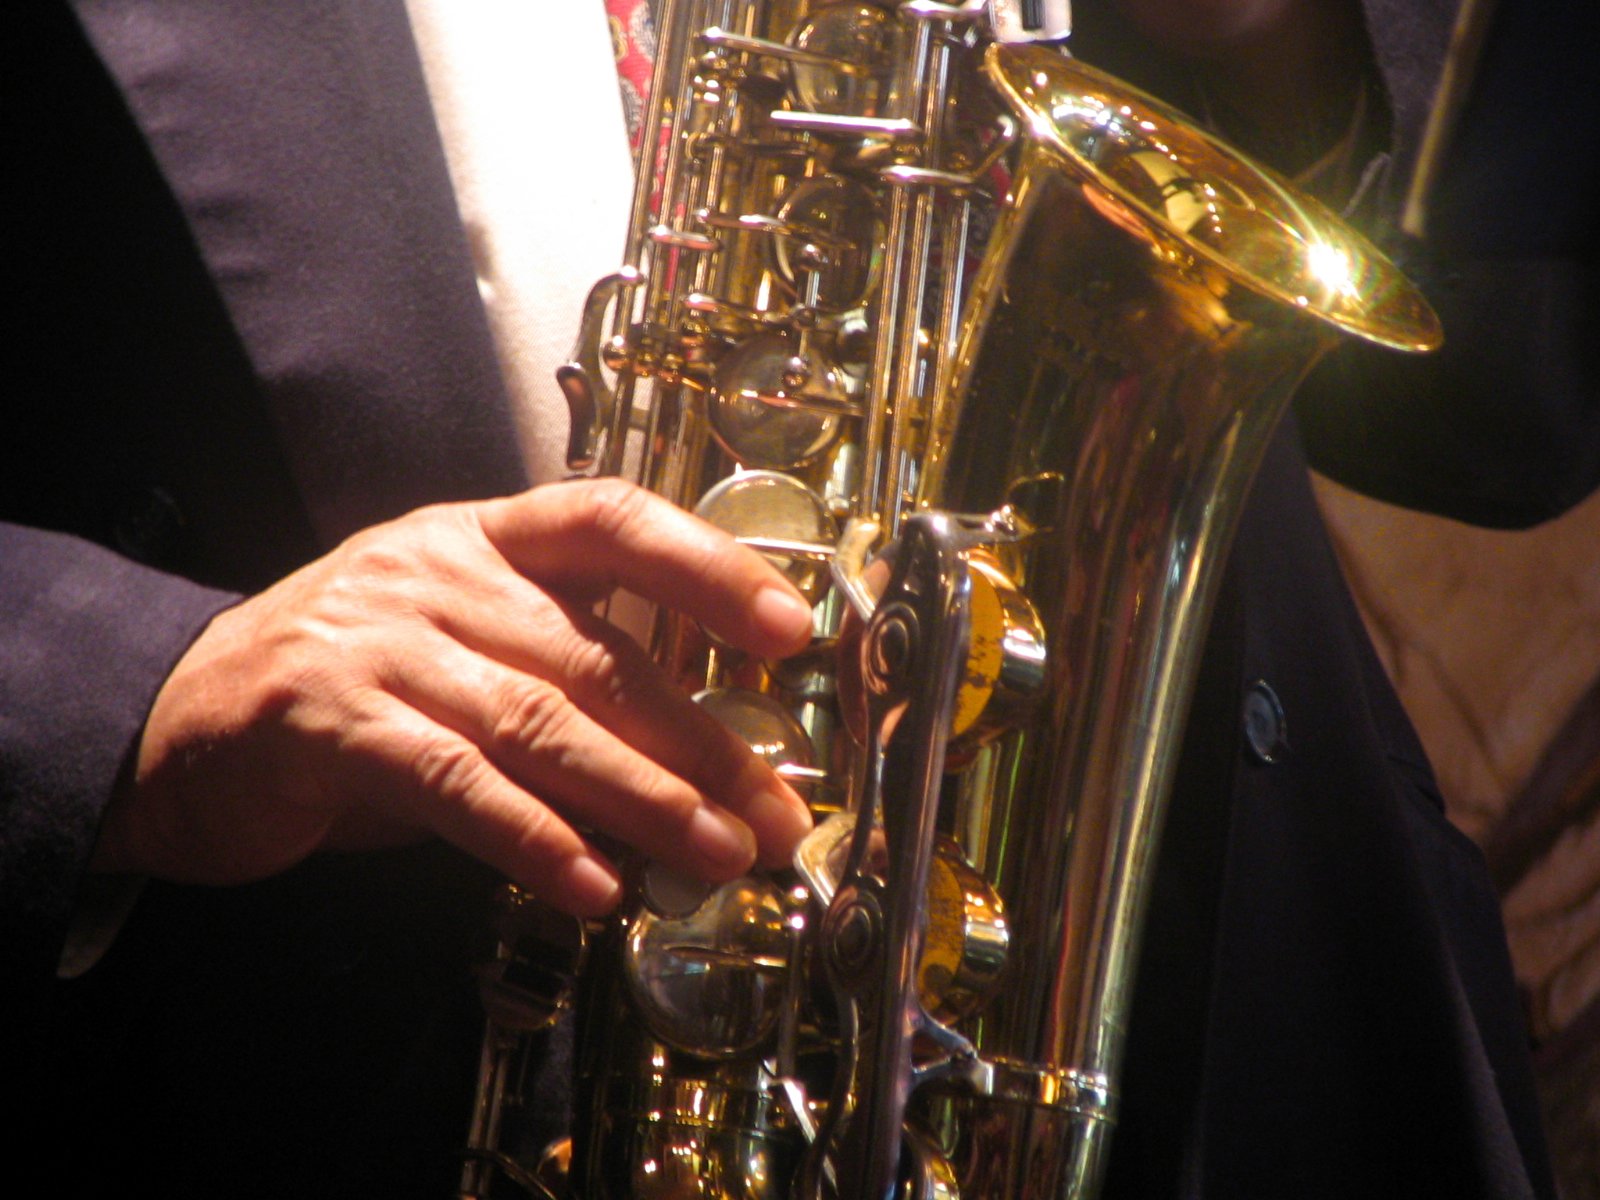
{"points": [[532, 716], [409, 567], [415, 545], [446, 767], [379, 553], [298, 674], [604, 671], [614, 508], [291, 678]]}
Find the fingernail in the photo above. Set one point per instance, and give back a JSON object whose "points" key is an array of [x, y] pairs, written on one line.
{"points": [[723, 839], [783, 613]]}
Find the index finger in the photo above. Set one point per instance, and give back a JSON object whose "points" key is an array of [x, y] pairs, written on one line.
{"points": [[590, 535]]}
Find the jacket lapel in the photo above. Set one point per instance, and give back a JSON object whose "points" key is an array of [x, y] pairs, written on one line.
{"points": [[299, 143]]}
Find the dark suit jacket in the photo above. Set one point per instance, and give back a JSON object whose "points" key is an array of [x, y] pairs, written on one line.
{"points": [[252, 329]]}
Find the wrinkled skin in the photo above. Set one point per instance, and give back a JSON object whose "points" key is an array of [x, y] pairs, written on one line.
{"points": [[446, 673]]}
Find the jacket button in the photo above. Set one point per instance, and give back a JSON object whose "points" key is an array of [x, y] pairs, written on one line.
{"points": [[1266, 732]]}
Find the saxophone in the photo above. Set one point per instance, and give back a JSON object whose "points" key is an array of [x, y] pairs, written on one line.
{"points": [[981, 347]]}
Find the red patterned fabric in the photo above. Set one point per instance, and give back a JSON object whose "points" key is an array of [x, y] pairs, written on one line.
{"points": [[633, 41]]}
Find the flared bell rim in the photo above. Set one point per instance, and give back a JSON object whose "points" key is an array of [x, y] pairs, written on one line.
{"points": [[1148, 159]]}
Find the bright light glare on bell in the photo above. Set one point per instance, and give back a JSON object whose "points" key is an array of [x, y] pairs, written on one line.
{"points": [[1330, 266]]}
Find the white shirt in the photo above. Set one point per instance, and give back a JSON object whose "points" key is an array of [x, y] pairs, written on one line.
{"points": [[525, 93]]}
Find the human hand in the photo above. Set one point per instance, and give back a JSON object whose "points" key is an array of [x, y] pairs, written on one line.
{"points": [[445, 673]]}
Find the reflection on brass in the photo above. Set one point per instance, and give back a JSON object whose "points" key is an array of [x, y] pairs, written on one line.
{"points": [[848, 260], [1179, 181], [698, 1138], [965, 952], [981, 348], [1006, 660], [775, 508], [859, 37], [529, 985], [771, 407], [711, 981], [763, 723]]}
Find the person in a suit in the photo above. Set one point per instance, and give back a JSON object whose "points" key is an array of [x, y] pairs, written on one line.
{"points": [[253, 344]]}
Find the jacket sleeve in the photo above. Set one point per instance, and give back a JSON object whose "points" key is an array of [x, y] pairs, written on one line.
{"points": [[86, 640]]}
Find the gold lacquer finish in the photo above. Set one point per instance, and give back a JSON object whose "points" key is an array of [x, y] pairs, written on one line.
{"points": [[1134, 332], [1156, 175], [1005, 466]]}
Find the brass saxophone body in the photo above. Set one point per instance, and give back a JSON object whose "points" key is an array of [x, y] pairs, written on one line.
{"points": [[982, 347]]}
